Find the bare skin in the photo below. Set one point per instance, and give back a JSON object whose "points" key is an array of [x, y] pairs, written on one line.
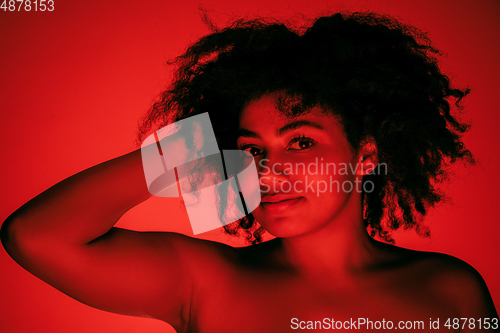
{"points": [[322, 265]]}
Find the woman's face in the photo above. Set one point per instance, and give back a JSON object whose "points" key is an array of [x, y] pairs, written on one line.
{"points": [[305, 167]]}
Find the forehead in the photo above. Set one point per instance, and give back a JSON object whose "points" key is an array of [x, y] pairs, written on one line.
{"points": [[263, 115]]}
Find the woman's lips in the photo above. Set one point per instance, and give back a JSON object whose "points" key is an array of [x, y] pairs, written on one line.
{"points": [[279, 206]]}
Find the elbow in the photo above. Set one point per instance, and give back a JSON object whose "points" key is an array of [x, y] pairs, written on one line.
{"points": [[7, 233], [10, 233]]}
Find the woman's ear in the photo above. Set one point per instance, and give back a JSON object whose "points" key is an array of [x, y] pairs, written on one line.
{"points": [[367, 156]]}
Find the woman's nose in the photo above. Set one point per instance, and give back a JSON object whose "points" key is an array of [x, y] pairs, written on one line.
{"points": [[272, 170]]}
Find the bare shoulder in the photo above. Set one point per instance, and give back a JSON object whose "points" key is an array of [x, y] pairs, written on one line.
{"points": [[449, 279], [219, 258], [462, 283], [199, 254]]}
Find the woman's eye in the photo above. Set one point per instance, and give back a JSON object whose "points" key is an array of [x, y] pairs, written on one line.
{"points": [[301, 143], [251, 149]]}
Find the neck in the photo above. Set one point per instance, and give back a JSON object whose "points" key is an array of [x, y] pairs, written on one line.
{"points": [[340, 247]]}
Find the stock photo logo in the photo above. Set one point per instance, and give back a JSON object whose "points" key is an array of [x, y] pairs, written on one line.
{"points": [[189, 148]]}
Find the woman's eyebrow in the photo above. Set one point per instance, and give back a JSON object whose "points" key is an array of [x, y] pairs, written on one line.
{"points": [[285, 129], [297, 124], [247, 133]]}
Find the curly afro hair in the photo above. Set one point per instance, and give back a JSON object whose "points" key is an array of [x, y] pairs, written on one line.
{"points": [[379, 76]]}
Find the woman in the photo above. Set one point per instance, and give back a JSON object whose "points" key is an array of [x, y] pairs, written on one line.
{"points": [[356, 90]]}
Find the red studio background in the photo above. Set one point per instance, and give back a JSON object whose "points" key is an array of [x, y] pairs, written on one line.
{"points": [[75, 81]]}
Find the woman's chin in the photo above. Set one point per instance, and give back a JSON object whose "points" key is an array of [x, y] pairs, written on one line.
{"points": [[283, 227]]}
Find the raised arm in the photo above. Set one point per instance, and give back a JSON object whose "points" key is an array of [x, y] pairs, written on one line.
{"points": [[65, 236]]}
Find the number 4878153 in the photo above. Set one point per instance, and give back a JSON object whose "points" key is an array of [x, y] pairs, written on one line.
{"points": [[27, 5]]}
